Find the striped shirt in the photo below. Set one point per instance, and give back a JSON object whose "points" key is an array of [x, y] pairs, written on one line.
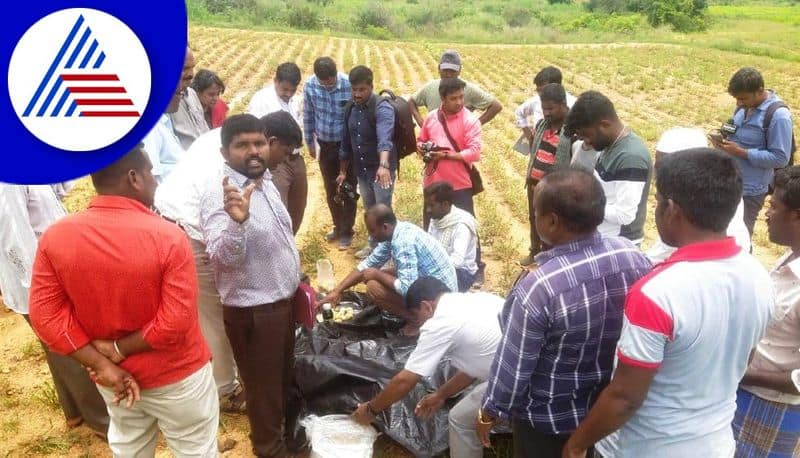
{"points": [[560, 329], [323, 110]]}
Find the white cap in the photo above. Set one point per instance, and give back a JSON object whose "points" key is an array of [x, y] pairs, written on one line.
{"points": [[681, 138]]}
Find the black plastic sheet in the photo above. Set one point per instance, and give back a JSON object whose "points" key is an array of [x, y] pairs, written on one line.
{"points": [[338, 365]]}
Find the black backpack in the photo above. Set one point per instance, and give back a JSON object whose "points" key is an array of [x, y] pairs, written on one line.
{"points": [[775, 106], [404, 138]]}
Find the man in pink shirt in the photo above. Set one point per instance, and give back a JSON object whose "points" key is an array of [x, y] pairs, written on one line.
{"points": [[449, 143], [448, 161]]}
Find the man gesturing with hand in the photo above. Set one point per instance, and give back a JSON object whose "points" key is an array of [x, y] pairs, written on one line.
{"points": [[250, 242]]}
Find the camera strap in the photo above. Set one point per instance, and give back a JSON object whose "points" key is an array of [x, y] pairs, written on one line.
{"points": [[453, 142]]}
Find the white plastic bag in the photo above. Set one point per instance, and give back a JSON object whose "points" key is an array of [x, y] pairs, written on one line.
{"points": [[337, 436]]}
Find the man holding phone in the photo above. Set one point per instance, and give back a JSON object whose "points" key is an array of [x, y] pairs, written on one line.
{"points": [[758, 148]]}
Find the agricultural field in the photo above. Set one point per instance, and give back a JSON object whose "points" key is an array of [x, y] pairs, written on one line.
{"points": [[654, 86]]}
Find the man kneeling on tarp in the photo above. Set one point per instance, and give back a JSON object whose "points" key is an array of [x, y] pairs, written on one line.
{"points": [[415, 254], [461, 326]]}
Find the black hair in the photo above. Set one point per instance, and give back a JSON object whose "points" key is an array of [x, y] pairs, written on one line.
{"points": [[424, 289], [442, 191], [383, 214], [575, 195], [547, 75], [281, 125], [590, 108], [324, 68], [449, 85], [239, 124], [787, 186], [705, 183], [204, 79], [135, 159], [745, 80], [360, 74], [288, 72], [555, 93]]}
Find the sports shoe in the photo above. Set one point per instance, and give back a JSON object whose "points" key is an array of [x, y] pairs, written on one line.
{"points": [[364, 252], [332, 236], [344, 243]]}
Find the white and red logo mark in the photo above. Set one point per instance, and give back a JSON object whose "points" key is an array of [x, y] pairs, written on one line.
{"points": [[82, 93]]}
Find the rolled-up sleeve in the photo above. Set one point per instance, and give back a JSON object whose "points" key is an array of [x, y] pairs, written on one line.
{"points": [[407, 269], [472, 139], [523, 113], [384, 124], [177, 310], [51, 312], [378, 258]]}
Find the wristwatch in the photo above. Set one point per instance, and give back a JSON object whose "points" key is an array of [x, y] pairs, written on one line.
{"points": [[385, 164]]}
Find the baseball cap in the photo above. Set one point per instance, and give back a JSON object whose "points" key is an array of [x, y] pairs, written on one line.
{"points": [[450, 61], [681, 138]]}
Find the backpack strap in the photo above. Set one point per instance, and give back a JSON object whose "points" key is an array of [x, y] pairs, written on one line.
{"points": [[775, 106]]}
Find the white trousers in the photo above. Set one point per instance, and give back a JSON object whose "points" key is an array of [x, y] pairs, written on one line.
{"points": [[186, 412], [211, 324], [464, 442]]}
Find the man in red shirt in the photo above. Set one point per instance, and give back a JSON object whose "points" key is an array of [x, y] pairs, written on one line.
{"points": [[115, 288]]}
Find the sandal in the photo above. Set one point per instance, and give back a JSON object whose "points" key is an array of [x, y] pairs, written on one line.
{"points": [[234, 402]]}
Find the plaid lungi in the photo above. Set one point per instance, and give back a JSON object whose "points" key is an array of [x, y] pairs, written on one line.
{"points": [[765, 428]]}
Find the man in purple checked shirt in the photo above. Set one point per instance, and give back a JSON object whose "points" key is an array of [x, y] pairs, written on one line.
{"points": [[560, 323]]}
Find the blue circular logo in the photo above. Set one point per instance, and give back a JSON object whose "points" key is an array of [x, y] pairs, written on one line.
{"points": [[85, 84]]}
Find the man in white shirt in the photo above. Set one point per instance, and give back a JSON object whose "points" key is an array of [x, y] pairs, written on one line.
{"points": [[530, 112], [679, 139], [767, 420], [178, 200], [455, 229], [161, 144], [462, 327], [26, 212], [289, 176], [689, 326]]}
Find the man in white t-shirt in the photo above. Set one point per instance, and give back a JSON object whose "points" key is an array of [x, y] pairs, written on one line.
{"points": [[455, 229], [463, 327], [289, 176], [690, 325], [679, 139]]}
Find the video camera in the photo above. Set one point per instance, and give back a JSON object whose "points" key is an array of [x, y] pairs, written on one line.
{"points": [[727, 129], [346, 193], [427, 149]]}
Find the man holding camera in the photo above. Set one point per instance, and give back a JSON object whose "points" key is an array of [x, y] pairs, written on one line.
{"points": [[367, 151], [450, 142], [759, 137]]}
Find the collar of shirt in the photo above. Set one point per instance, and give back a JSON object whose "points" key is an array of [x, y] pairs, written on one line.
{"points": [[336, 88], [768, 101], [119, 202], [705, 251], [793, 265], [566, 248]]}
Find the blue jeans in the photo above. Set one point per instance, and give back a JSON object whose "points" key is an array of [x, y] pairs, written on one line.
{"points": [[372, 193]]}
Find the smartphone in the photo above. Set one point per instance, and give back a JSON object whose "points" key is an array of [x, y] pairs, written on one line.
{"points": [[715, 137]]}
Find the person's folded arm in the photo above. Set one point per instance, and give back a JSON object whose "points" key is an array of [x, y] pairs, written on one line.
{"points": [[177, 310], [52, 313], [523, 113], [779, 145]]}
